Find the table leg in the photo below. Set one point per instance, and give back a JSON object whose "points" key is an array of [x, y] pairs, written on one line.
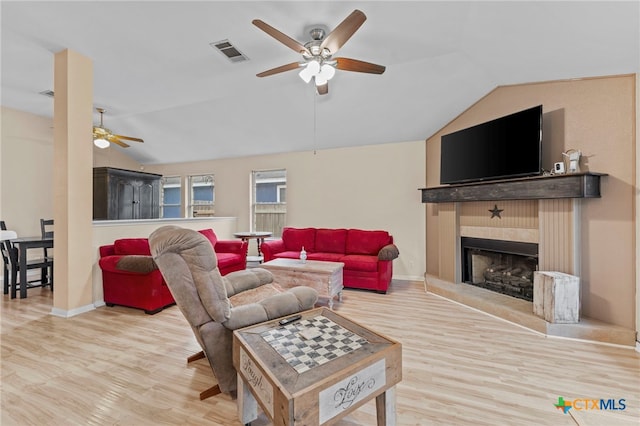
{"points": [[23, 273], [259, 241], [247, 404], [386, 407]]}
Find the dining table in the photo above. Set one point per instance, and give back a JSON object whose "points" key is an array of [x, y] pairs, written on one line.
{"points": [[24, 244]]}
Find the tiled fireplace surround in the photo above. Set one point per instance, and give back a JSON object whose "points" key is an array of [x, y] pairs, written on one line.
{"points": [[549, 223]]}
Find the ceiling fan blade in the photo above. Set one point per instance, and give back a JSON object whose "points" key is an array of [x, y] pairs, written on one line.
{"points": [[282, 68], [281, 37], [129, 138], [114, 139], [323, 89], [343, 32], [348, 64]]}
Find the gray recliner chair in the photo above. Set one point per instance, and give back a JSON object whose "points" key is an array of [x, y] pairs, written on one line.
{"points": [[215, 305]]}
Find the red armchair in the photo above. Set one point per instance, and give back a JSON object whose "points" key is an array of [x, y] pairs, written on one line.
{"points": [[131, 278], [141, 286], [231, 254]]}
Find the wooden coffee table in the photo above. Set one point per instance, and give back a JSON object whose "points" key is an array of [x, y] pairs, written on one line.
{"points": [[319, 380], [324, 277]]}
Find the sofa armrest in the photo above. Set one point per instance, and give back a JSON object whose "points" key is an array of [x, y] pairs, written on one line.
{"points": [[231, 246], [270, 248], [295, 300], [247, 279]]}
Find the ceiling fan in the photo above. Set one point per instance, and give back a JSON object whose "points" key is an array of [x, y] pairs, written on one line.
{"points": [[103, 137], [318, 62]]}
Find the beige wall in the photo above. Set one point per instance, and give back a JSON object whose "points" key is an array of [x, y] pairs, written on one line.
{"points": [[369, 187], [26, 147], [26, 169], [114, 157], [598, 117]]}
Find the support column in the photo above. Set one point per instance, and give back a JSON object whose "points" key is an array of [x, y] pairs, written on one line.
{"points": [[72, 183]]}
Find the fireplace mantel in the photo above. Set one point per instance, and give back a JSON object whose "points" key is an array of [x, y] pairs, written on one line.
{"points": [[576, 185]]}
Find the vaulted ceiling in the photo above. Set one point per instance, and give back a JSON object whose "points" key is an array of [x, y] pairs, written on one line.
{"points": [[159, 79]]}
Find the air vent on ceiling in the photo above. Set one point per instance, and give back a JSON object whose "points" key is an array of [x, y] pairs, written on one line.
{"points": [[229, 50], [48, 93]]}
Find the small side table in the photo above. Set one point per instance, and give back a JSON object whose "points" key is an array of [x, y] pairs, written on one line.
{"points": [[258, 236], [342, 369]]}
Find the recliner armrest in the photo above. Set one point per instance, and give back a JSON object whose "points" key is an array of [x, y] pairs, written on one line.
{"points": [[292, 301], [247, 279]]}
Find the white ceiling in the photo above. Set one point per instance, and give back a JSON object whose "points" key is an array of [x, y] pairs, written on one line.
{"points": [[159, 79]]}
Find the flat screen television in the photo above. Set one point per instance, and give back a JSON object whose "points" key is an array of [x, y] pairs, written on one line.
{"points": [[507, 147]]}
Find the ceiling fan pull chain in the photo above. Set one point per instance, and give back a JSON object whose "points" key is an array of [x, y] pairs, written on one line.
{"points": [[315, 100]]}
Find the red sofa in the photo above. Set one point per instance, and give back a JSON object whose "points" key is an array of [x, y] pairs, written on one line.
{"points": [[367, 255], [131, 278]]}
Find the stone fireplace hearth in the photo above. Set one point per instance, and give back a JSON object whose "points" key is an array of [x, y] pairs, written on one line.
{"points": [[520, 312]]}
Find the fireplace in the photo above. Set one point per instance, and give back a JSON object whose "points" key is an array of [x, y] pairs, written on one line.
{"points": [[502, 266]]}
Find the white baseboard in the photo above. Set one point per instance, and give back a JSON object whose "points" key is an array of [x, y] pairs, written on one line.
{"points": [[73, 312], [408, 277]]}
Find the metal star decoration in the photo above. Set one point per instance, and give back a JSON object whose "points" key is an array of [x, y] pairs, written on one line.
{"points": [[495, 212]]}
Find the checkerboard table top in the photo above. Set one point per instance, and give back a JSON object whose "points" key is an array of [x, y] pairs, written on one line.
{"points": [[353, 342], [331, 342]]}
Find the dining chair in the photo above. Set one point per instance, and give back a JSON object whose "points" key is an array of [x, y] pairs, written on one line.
{"points": [[11, 261], [46, 229], [46, 226], [6, 263]]}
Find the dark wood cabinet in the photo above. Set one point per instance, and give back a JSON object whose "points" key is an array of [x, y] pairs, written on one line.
{"points": [[120, 194]]}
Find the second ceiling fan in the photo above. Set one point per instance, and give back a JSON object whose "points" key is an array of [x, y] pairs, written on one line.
{"points": [[103, 137], [318, 62]]}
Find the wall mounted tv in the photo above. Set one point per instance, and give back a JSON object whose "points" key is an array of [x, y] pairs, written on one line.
{"points": [[509, 146]]}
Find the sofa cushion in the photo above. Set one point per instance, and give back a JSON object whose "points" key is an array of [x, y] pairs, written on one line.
{"points": [[211, 236], [132, 246], [325, 257], [366, 242], [296, 238], [360, 262], [255, 295], [227, 259], [288, 254], [331, 240]]}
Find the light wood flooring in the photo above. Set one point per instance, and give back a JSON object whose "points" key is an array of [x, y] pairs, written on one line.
{"points": [[118, 366]]}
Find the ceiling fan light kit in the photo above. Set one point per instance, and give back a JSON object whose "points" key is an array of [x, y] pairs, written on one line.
{"points": [[317, 63], [320, 73], [103, 137], [101, 143]]}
